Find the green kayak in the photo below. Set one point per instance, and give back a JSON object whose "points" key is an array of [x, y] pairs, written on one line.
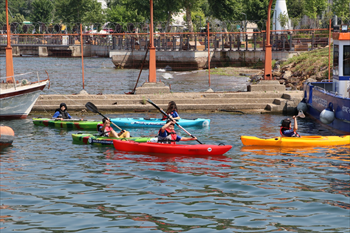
{"points": [[67, 124], [80, 138]]}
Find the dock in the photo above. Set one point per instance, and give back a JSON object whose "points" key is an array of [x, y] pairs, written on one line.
{"points": [[268, 96]]}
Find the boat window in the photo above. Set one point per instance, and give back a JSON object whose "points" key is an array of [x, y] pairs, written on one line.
{"points": [[346, 59], [335, 59]]}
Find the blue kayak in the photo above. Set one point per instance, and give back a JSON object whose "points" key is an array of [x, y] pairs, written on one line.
{"points": [[157, 123]]}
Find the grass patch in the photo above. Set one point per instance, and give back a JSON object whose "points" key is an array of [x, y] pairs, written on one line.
{"points": [[310, 61]]}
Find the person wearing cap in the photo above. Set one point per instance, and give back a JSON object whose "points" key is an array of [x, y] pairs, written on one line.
{"points": [[168, 135], [106, 129], [286, 128], [61, 113]]}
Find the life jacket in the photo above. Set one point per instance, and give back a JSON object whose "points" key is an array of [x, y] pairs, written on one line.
{"points": [[63, 114], [169, 139], [105, 133], [165, 117], [282, 129]]}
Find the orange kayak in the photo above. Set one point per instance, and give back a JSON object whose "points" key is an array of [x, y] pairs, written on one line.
{"points": [[303, 141]]}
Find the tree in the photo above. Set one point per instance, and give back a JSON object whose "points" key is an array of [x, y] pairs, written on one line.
{"points": [[341, 8], [257, 9], [79, 11], [22, 7], [42, 11], [226, 9], [313, 8], [295, 8]]}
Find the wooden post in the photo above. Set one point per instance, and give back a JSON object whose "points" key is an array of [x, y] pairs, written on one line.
{"points": [[268, 49], [152, 51], [329, 50], [208, 51], [82, 52], [9, 58]]}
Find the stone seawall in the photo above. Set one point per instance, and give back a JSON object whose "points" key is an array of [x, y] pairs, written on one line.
{"points": [[265, 97], [194, 60]]}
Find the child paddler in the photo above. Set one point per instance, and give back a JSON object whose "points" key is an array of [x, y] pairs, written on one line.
{"points": [[61, 113], [107, 130], [286, 128], [172, 111], [168, 135]]}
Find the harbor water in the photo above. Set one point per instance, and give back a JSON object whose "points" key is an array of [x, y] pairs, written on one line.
{"points": [[49, 184], [100, 76]]}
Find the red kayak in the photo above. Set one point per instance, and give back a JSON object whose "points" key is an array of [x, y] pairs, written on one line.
{"points": [[180, 149]]}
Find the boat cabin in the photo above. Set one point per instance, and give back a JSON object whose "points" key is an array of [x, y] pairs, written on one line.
{"points": [[341, 62]]}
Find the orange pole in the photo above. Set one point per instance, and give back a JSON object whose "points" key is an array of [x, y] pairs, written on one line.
{"points": [[9, 58], [329, 50], [82, 52], [208, 51], [268, 47], [152, 78]]}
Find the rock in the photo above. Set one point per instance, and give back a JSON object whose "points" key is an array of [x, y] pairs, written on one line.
{"points": [[83, 92], [255, 78], [209, 90], [311, 80], [287, 74], [276, 73]]}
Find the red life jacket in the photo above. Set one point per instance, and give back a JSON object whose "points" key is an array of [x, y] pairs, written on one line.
{"points": [[106, 131], [165, 117], [170, 138]]}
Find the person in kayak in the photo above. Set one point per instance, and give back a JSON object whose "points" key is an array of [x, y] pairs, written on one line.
{"points": [[106, 129], [286, 128], [61, 113], [168, 135], [172, 111]]}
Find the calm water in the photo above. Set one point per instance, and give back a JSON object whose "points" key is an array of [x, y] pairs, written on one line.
{"points": [[49, 184], [100, 76]]}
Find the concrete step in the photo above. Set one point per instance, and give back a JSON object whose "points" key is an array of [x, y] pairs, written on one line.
{"points": [[148, 107], [171, 96], [179, 102]]}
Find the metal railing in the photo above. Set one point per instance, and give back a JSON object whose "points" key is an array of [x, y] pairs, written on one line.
{"points": [[287, 40]]}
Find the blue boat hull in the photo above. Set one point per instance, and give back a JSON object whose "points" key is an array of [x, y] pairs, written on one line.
{"points": [[317, 99], [157, 123]]}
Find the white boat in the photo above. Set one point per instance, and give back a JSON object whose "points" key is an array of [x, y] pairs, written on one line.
{"points": [[18, 98]]}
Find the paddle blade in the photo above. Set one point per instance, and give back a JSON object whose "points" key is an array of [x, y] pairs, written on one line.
{"points": [[91, 107], [301, 114]]}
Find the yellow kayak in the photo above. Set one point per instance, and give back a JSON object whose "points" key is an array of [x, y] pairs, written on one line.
{"points": [[297, 142]]}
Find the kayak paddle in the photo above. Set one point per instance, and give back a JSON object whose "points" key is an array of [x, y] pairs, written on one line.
{"points": [[90, 106], [164, 113]]}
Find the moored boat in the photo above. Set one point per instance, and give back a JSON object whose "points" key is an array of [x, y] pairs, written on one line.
{"points": [[304, 141], [67, 124], [80, 138], [155, 122], [180, 149], [329, 102], [18, 99], [7, 136]]}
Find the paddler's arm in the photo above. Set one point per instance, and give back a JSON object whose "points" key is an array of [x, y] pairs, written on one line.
{"points": [[188, 139], [104, 125], [166, 126], [295, 124], [175, 115]]}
